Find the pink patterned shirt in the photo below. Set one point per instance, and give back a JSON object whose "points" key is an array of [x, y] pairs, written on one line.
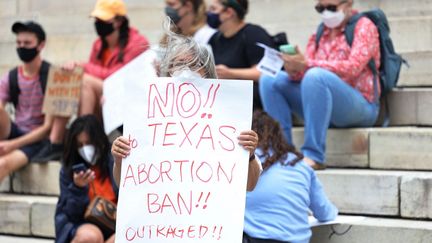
{"points": [[28, 113], [349, 63]]}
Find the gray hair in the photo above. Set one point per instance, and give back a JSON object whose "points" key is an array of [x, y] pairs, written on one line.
{"points": [[181, 51]]}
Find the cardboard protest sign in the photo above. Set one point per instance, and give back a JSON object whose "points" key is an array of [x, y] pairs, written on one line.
{"points": [[185, 179], [113, 88], [63, 91]]}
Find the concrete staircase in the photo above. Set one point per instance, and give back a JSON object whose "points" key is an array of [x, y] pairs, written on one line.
{"points": [[381, 173]]}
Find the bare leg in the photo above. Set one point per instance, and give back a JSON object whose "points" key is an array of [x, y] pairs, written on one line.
{"points": [[91, 93], [88, 233], [12, 162], [58, 129], [5, 124]]}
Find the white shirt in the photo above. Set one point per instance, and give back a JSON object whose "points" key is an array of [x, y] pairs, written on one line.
{"points": [[203, 35]]}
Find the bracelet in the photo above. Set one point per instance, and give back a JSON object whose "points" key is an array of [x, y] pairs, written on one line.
{"points": [[252, 158]]}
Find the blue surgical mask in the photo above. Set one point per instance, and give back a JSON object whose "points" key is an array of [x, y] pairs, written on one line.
{"points": [[213, 20], [173, 14]]}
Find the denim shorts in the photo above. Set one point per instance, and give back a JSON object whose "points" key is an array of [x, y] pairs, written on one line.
{"points": [[29, 150]]}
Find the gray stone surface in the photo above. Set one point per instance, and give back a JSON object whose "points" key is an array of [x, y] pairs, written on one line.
{"points": [[38, 179], [16, 239], [8, 8], [376, 230], [27, 215], [42, 217], [401, 148], [362, 191], [14, 215], [411, 106], [345, 147], [416, 196], [5, 185], [419, 72]]}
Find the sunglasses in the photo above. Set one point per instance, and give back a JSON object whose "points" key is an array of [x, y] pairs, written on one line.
{"points": [[332, 8]]}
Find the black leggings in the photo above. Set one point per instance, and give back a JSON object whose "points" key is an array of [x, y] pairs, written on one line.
{"points": [[248, 239]]}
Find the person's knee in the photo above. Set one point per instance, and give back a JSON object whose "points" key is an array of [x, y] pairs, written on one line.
{"points": [[273, 84], [314, 78], [88, 235]]}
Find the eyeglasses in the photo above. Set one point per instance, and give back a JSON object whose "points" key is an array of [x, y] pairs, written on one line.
{"points": [[332, 8]]}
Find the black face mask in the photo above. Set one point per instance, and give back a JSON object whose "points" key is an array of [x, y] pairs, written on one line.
{"points": [[173, 14], [27, 54], [103, 29]]}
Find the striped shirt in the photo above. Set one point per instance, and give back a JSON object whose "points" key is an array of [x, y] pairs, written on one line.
{"points": [[28, 113]]}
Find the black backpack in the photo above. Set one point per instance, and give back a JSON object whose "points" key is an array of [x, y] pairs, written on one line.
{"points": [[14, 90], [390, 61]]}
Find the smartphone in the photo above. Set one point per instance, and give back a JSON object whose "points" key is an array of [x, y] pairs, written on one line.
{"points": [[288, 49], [79, 167]]}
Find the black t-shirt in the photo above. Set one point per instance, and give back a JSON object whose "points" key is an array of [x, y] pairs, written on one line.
{"points": [[240, 50]]}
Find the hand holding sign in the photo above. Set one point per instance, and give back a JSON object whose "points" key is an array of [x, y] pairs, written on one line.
{"points": [[187, 168]]}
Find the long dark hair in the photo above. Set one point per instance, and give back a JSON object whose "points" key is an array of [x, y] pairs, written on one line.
{"points": [[123, 39], [88, 124], [272, 141]]}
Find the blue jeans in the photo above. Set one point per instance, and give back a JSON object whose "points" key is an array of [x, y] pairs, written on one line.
{"points": [[321, 99]]}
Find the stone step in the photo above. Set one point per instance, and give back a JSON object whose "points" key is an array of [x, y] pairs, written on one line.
{"points": [[27, 215], [37, 179], [16, 239], [383, 193], [357, 148], [5, 185], [299, 32], [375, 147], [63, 49], [419, 72], [43, 7], [148, 19], [410, 106], [375, 230]]}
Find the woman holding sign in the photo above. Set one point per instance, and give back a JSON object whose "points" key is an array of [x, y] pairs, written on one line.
{"points": [[86, 174], [185, 57], [277, 210]]}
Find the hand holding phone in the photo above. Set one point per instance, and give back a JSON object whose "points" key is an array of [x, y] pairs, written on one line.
{"points": [[79, 167], [288, 49], [82, 175]]}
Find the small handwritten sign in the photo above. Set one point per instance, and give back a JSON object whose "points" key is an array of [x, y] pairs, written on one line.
{"points": [[185, 179], [63, 91]]}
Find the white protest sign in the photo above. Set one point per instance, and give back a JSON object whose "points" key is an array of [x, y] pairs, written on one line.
{"points": [[271, 63], [113, 88], [185, 179]]}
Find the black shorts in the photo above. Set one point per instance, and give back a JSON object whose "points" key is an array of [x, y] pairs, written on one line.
{"points": [[29, 150]]}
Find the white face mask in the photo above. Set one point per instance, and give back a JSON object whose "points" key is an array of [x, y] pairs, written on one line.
{"points": [[332, 19], [186, 73], [87, 152]]}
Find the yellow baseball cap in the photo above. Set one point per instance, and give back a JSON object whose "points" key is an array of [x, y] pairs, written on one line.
{"points": [[108, 9]]}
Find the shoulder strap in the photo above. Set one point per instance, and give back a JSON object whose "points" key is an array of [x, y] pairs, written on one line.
{"points": [[13, 86], [319, 33], [350, 28], [43, 75]]}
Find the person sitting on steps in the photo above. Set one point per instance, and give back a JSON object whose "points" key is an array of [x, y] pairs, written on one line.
{"points": [[24, 86]]}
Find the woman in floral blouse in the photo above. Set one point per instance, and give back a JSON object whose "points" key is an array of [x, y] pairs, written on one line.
{"points": [[330, 85]]}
